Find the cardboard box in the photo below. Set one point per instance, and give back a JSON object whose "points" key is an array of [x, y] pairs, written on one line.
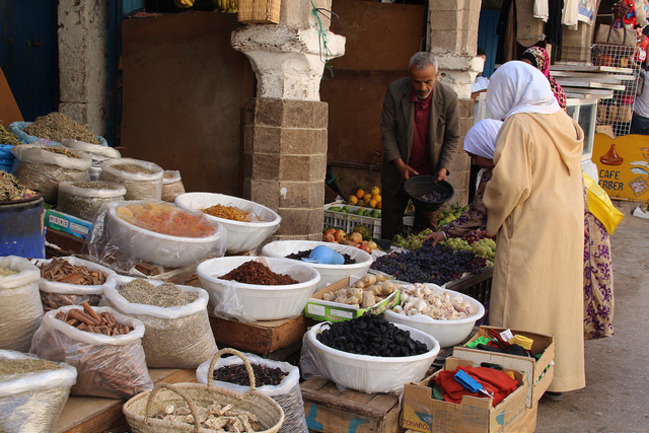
{"points": [[535, 370], [67, 223], [423, 413], [319, 309]]}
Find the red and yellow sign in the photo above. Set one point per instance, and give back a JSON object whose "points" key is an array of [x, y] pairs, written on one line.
{"points": [[623, 166]]}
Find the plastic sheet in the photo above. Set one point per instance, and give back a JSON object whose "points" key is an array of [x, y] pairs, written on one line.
{"points": [[42, 170], [31, 402], [142, 185], [287, 393], [55, 294], [21, 310], [17, 129], [364, 373], [85, 202], [251, 302], [121, 245], [107, 366], [174, 337]]}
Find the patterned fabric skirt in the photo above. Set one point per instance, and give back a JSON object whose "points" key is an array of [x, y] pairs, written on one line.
{"points": [[598, 280]]}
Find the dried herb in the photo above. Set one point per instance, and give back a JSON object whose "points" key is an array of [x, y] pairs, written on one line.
{"points": [[6, 271], [133, 168], [18, 366], [61, 151], [57, 127], [6, 137], [166, 295], [10, 189]]}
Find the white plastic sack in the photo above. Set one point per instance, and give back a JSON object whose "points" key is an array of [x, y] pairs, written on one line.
{"points": [[139, 186], [55, 294], [121, 245], [17, 128], [107, 366], [174, 337], [31, 402], [97, 151], [172, 185], [21, 310], [42, 170], [85, 202], [287, 394]]}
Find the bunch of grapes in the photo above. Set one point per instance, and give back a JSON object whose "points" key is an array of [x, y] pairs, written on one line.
{"points": [[475, 236], [485, 248], [430, 264], [411, 242]]}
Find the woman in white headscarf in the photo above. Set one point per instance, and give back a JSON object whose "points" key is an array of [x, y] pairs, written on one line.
{"points": [[535, 206], [480, 144]]}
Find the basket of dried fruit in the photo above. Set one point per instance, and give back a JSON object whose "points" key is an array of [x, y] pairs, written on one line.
{"points": [[194, 407]]}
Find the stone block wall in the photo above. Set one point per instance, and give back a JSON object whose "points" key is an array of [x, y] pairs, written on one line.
{"points": [[285, 160]]}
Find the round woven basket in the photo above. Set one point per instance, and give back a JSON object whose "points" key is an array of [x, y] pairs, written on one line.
{"points": [[138, 410]]}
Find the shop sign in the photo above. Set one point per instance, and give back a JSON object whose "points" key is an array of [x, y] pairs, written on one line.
{"points": [[623, 166]]}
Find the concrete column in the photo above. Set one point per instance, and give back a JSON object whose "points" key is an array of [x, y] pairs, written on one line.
{"points": [[83, 61], [285, 131], [453, 38]]}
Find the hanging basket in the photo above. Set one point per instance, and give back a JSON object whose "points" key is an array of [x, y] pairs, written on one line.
{"points": [[138, 410], [259, 11]]}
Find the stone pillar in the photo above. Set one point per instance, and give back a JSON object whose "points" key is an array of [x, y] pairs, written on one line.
{"points": [[453, 38], [285, 131], [83, 61]]}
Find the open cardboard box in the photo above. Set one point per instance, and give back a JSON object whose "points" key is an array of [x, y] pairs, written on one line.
{"points": [[319, 309], [540, 372], [421, 412]]}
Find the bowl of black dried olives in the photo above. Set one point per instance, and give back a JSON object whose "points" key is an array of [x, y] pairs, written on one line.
{"points": [[369, 354], [426, 194]]}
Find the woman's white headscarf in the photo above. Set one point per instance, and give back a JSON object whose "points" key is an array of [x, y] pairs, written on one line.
{"points": [[517, 87], [481, 138]]}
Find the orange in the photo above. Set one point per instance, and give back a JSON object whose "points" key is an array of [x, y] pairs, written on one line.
{"points": [[367, 198], [378, 205], [373, 203], [375, 190], [360, 193], [376, 197], [352, 200]]}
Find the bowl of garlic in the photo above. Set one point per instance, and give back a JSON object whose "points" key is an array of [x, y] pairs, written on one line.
{"points": [[447, 315]]}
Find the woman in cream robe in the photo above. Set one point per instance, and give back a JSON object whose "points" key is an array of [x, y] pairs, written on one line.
{"points": [[535, 206]]}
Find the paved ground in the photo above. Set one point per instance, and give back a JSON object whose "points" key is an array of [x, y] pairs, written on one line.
{"points": [[616, 397]]}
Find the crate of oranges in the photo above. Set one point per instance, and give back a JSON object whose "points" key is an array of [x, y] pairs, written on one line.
{"points": [[362, 207]]}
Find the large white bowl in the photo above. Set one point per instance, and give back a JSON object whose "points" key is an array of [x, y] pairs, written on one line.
{"points": [[251, 302], [159, 248], [448, 332], [329, 274], [371, 374], [242, 236]]}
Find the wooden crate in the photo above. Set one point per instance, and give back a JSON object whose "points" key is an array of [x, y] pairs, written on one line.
{"points": [[329, 410], [259, 11]]}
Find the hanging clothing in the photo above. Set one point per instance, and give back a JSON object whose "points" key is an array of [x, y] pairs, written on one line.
{"points": [[535, 207], [570, 16], [541, 10], [553, 28], [541, 61]]}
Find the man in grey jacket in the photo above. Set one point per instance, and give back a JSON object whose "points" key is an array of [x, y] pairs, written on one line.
{"points": [[420, 130]]}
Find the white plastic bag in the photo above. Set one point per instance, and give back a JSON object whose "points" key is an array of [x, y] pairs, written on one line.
{"points": [[42, 170], [31, 402], [107, 366], [287, 394], [21, 310], [172, 185], [174, 337], [146, 184], [98, 152], [84, 199], [55, 294]]}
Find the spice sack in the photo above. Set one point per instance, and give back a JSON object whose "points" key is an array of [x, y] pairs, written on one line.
{"points": [[177, 329], [107, 366]]}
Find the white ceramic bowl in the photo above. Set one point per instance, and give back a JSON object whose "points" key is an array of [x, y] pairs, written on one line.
{"points": [[371, 374], [448, 332], [242, 236], [159, 248], [251, 302], [329, 274]]}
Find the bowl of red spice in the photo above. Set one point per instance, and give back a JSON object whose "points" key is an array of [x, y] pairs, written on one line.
{"points": [[160, 233], [251, 288]]}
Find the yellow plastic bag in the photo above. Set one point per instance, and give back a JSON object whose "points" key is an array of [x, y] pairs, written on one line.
{"points": [[600, 205]]}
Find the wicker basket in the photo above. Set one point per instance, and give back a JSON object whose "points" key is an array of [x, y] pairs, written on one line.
{"points": [[259, 11], [138, 409]]}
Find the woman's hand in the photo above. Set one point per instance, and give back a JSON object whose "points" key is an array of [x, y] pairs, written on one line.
{"points": [[437, 237]]}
